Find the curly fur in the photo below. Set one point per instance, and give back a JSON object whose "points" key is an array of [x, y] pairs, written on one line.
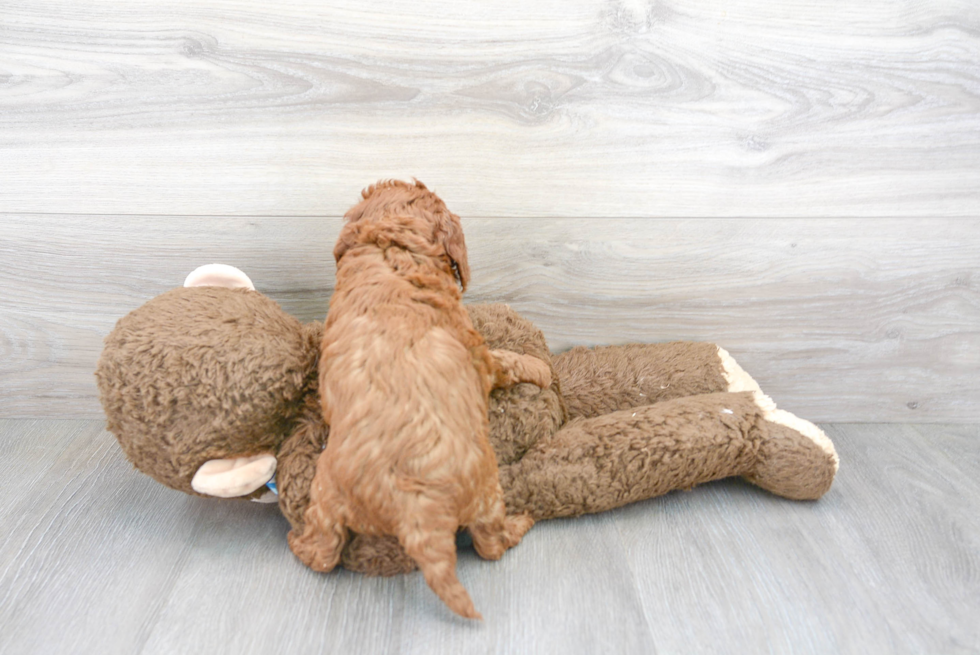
{"points": [[404, 386], [610, 378], [184, 379], [525, 413]]}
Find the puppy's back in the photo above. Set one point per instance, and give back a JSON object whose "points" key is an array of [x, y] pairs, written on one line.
{"points": [[408, 445], [404, 397]]}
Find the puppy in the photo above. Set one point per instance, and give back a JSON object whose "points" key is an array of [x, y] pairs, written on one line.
{"points": [[404, 386]]}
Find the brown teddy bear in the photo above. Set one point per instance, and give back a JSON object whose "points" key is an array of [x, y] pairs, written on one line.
{"points": [[211, 389]]}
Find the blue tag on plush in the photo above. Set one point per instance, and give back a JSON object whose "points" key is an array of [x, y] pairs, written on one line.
{"points": [[271, 484]]}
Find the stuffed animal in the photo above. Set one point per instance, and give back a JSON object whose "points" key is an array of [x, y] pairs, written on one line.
{"points": [[211, 389]]}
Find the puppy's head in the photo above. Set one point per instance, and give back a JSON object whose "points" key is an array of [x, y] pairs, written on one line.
{"points": [[411, 216]]}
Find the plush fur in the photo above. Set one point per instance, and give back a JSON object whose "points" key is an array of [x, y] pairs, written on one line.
{"points": [[404, 385], [648, 419], [176, 401]]}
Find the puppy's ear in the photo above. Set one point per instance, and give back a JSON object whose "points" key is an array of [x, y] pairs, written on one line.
{"points": [[344, 241], [353, 215], [455, 246]]}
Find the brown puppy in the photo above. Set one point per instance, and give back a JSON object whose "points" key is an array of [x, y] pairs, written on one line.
{"points": [[404, 386]]}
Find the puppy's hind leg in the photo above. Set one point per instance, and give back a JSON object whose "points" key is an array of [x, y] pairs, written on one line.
{"points": [[514, 367], [323, 538], [433, 547], [494, 532]]}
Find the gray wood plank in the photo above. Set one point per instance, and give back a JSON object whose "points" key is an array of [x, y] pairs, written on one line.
{"points": [[566, 588], [89, 548], [960, 444], [259, 599], [887, 561], [97, 558], [28, 449], [578, 108], [263, 600], [106, 561], [857, 320]]}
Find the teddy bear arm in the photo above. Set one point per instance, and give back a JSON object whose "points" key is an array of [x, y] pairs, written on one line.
{"points": [[296, 467], [520, 417], [596, 381], [524, 413]]}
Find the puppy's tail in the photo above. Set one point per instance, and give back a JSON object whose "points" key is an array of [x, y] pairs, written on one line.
{"points": [[435, 553]]}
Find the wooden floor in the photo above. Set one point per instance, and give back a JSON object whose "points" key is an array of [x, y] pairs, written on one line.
{"points": [[97, 558]]}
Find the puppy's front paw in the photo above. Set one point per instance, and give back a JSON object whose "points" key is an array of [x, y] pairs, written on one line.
{"points": [[536, 372], [515, 367]]}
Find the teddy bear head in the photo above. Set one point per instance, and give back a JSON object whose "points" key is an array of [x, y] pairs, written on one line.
{"points": [[201, 384]]}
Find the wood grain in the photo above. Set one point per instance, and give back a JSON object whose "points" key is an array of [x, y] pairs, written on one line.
{"points": [[96, 557], [577, 108], [78, 569], [845, 320], [897, 532]]}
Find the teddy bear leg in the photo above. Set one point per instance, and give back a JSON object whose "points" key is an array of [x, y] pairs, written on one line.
{"points": [[593, 465], [596, 381], [796, 459], [376, 555], [597, 464], [494, 532]]}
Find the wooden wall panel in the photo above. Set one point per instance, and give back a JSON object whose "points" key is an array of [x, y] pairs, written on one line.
{"points": [[628, 171], [839, 320], [576, 108]]}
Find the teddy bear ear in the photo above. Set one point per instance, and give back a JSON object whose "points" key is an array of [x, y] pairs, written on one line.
{"points": [[230, 478], [218, 275]]}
